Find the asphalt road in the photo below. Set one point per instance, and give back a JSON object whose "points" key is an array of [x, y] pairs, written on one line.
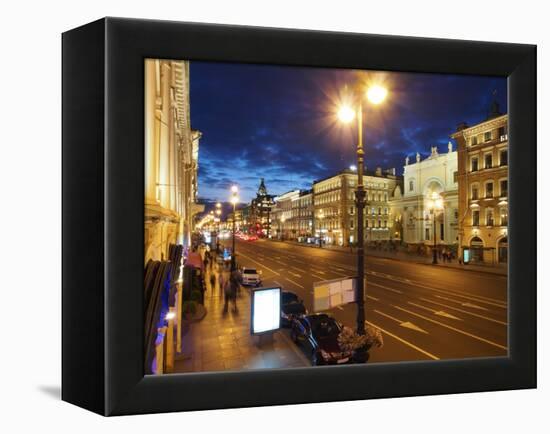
{"points": [[424, 312]]}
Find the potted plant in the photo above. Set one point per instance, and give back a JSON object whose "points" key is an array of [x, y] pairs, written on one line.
{"points": [[359, 345]]}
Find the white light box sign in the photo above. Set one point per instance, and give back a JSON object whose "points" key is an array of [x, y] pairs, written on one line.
{"points": [[266, 310]]}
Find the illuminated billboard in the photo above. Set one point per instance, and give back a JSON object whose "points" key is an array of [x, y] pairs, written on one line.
{"points": [[266, 310]]}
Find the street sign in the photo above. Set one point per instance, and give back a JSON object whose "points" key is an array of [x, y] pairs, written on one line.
{"points": [[332, 293], [265, 310]]}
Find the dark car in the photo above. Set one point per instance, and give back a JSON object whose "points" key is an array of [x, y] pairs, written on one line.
{"points": [[318, 334], [291, 307]]}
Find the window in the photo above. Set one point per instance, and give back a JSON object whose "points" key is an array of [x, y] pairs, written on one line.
{"points": [[411, 185], [473, 140], [351, 210], [379, 224], [475, 164], [487, 136], [504, 157], [475, 192], [366, 223], [351, 224], [504, 216], [475, 217], [456, 213], [502, 134], [385, 223], [442, 231], [489, 219], [489, 190], [504, 188], [488, 161], [379, 211], [427, 234], [455, 176], [385, 211]]}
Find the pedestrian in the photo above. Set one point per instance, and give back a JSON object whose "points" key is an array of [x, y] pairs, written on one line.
{"points": [[212, 281], [230, 292]]}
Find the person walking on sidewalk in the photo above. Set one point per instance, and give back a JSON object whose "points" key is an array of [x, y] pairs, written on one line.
{"points": [[230, 290]]}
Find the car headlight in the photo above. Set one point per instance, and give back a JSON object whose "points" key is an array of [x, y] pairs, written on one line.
{"points": [[325, 355]]}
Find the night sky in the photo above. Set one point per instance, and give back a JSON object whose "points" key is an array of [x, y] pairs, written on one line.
{"points": [[280, 123]]}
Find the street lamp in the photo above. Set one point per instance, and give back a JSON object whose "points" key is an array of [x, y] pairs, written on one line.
{"points": [[234, 201], [218, 214], [320, 216], [435, 203], [375, 95]]}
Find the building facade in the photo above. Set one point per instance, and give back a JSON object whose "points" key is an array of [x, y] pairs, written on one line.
{"points": [[483, 189], [334, 209], [171, 158], [282, 216], [410, 203]]}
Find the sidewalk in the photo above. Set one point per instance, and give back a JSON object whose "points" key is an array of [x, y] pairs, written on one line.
{"points": [[401, 256], [222, 342]]}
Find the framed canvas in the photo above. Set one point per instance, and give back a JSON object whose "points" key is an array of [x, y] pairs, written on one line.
{"points": [[257, 216]]}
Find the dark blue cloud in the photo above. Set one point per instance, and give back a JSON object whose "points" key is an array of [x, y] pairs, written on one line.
{"points": [[277, 122]]}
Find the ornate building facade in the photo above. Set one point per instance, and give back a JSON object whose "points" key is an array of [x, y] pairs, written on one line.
{"points": [[410, 204], [171, 158], [334, 210], [483, 188]]}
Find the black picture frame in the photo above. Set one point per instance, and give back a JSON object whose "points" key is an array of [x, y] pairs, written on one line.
{"points": [[103, 178]]}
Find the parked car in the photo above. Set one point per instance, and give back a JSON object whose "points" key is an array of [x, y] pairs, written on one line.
{"points": [[291, 307], [318, 334], [252, 237], [250, 276]]}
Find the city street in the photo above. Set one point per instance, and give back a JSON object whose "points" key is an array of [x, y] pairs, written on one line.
{"points": [[424, 312]]}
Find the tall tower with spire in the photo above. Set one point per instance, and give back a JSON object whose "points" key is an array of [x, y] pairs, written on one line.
{"points": [[261, 211]]}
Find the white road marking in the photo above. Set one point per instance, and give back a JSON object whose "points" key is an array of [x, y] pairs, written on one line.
{"points": [[264, 266], [292, 281], [406, 324], [475, 306], [435, 312], [339, 307], [403, 341], [465, 311], [294, 274], [479, 338], [387, 288], [317, 276], [373, 298], [475, 298]]}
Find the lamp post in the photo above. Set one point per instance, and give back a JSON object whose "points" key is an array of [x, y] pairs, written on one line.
{"points": [[320, 216], [218, 214], [434, 204], [375, 95], [234, 200]]}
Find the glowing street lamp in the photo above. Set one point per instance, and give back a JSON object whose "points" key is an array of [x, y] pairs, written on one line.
{"points": [[435, 203], [375, 94], [234, 200]]}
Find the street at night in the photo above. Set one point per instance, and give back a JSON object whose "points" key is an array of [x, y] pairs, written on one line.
{"points": [[425, 312]]}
